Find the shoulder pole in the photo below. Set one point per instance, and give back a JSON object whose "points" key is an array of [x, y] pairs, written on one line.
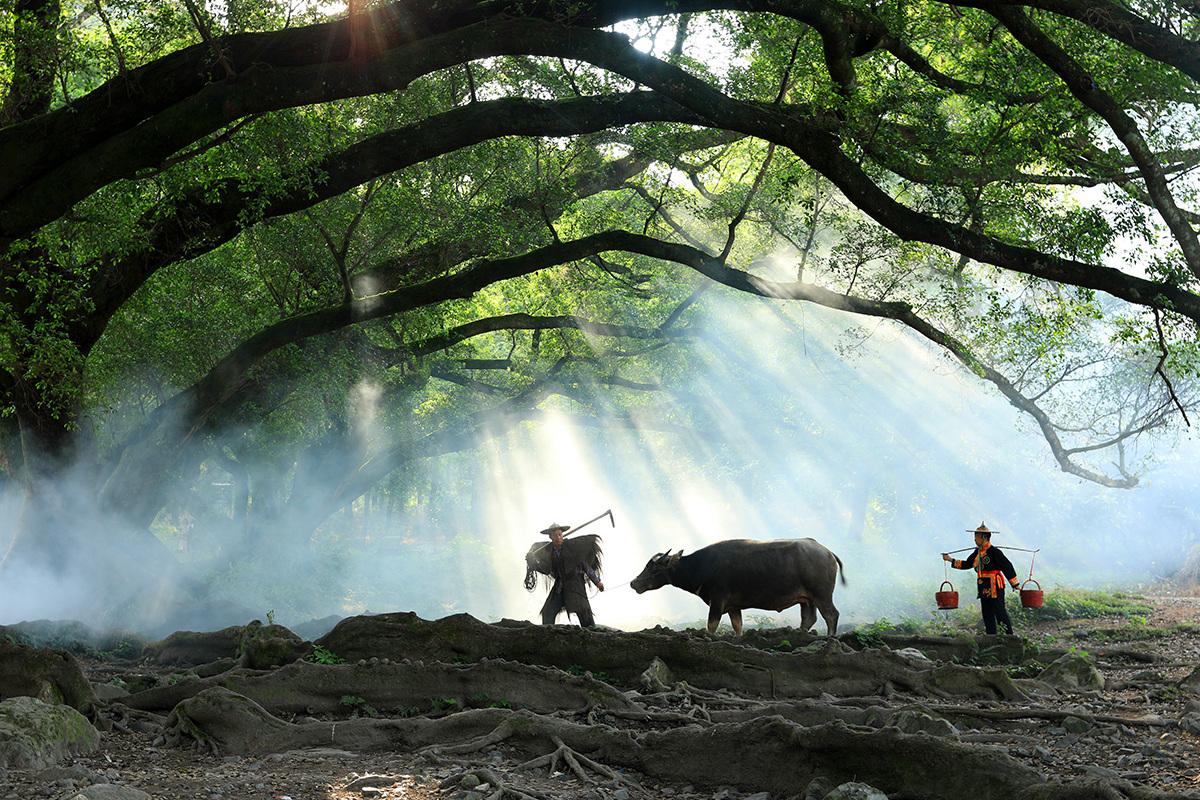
{"points": [[608, 514], [965, 549]]}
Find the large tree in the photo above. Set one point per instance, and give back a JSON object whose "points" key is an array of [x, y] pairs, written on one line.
{"points": [[270, 233]]}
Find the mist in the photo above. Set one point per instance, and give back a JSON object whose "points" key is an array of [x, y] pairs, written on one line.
{"points": [[879, 447]]}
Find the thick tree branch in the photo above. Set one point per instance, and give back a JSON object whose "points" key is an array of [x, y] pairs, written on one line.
{"points": [[199, 226], [1089, 92], [204, 397], [809, 138], [1119, 23]]}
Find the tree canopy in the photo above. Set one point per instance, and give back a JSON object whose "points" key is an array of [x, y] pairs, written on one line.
{"points": [[247, 236]]}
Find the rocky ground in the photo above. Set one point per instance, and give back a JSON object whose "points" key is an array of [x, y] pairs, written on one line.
{"points": [[1130, 730], [1141, 663]]}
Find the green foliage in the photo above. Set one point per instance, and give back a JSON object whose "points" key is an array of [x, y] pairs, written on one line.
{"points": [[124, 648], [870, 633], [1064, 603], [359, 706], [1130, 633], [441, 704], [322, 655], [1026, 669], [761, 621], [575, 669]]}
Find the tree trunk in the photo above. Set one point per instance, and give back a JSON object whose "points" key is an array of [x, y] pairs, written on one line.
{"points": [[32, 87]]}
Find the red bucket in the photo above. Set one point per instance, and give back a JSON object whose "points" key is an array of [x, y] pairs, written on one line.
{"points": [[946, 599], [1031, 598]]}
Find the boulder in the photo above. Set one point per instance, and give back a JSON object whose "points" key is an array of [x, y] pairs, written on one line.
{"points": [[52, 676], [856, 791], [37, 735], [911, 720], [1074, 671]]}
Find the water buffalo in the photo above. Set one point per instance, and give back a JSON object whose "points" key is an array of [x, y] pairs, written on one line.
{"points": [[743, 573]]}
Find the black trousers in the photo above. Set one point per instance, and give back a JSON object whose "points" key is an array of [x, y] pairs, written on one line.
{"points": [[994, 611], [572, 597]]}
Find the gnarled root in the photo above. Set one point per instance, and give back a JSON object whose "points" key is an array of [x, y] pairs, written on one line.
{"points": [[576, 762], [498, 789], [498, 734]]}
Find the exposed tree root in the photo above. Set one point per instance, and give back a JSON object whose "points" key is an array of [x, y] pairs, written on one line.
{"points": [[1042, 713], [130, 720], [562, 754], [652, 716], [501, 732], [498, 788], [576, 762]]}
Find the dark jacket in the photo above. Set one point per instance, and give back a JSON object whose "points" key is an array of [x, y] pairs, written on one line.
{"points": [[567, 567], [991, 567]]}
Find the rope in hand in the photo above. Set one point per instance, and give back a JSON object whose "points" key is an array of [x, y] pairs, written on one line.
{"points": [[619, 585]]}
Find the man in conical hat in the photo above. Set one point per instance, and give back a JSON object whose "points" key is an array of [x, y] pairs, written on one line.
{"points": [[992, 568], [567, 563]]}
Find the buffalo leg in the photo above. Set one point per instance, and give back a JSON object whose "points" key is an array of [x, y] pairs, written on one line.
{"points": [[735, 619], [808, 616], [829, 613], [714, 617]]}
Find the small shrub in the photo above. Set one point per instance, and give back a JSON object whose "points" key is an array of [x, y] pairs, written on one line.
{"points": [[487, 701], [1027, 669], [445, 703], [871, 634], [321, 655], [359, 705]]}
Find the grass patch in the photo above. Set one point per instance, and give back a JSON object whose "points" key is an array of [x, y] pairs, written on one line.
{"points": [[871, 634], [1080, 604], [1131, 633], [1027, 669]]}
